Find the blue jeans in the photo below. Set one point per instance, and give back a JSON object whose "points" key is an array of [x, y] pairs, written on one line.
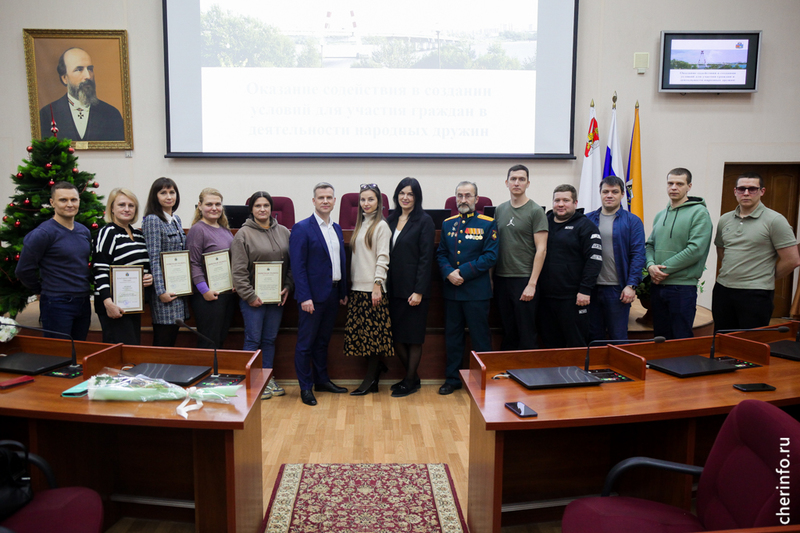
{"points": [[66, 314], [608, 316], [261, 329], [674, 307]]}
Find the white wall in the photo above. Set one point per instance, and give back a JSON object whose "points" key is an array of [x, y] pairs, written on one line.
{"points": [[700, 132]]}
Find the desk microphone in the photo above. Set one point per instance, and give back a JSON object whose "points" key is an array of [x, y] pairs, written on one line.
{"points": [[74, 369], [181, 323], [617, 341], [782, 329]]}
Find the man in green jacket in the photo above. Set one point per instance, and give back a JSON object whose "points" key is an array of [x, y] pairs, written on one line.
{"points": [[676, 256]]}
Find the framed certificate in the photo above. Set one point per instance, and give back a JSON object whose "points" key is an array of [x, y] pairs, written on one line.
{"points": [[177, 274], [268, 281], [218, 271], [127, 290]]}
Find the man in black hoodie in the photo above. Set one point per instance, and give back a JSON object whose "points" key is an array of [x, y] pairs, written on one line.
{"points": [[574, 258]]}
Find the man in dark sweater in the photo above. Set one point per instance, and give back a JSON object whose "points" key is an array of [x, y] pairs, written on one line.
{"points": [[574, 259], [54, 264]]}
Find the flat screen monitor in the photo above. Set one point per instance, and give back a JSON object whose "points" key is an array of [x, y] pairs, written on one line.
{"points": [[709, 62], [444, 79]]}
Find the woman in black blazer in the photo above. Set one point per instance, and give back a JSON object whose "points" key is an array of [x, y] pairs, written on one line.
{"points": [[409, 279]]}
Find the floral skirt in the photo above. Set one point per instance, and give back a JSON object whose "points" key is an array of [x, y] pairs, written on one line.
{"points": [[368, 329]]}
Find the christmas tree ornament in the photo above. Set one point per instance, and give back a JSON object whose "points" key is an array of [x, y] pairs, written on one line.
{"points": [[5, 218], [70, 150], [51, 183], [49, 166], [27, 201], [16, 257], [94, 225], [95, 185], [30, 149], [17, 224], [11, 204], [20, 175], [75, 170]]}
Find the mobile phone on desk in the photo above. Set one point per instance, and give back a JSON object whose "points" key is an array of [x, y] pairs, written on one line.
{"points": [[521, 410], [753, 387]]}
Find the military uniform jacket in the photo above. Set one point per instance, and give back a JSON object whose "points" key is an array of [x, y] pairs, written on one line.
{"points": [[468, 243]]}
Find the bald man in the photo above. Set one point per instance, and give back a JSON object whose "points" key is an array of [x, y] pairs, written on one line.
{"points": [[79, 114]]}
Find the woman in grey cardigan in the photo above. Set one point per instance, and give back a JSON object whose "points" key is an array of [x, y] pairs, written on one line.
{"points": [[163, 232], [260, 239]]}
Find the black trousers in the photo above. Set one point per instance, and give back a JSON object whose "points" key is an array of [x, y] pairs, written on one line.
{"points": [[562, 323], [741, 308], [518, 317], [213, 318], [126, 329]]}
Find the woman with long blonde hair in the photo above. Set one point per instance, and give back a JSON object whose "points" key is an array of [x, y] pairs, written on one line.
{"points": [[213, 310], [368, 330]]}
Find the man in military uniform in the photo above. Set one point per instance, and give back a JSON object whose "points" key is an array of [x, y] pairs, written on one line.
{"points": [[467, 251]]}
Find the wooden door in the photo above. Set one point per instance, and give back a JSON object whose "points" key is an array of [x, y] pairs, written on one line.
{"points": [[782, 182]]}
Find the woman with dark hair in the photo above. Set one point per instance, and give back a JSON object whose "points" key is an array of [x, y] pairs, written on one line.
{"points": [[163, 232], [118, 243], [412, 250], [213, 311], [260, 239], [368, 330]]}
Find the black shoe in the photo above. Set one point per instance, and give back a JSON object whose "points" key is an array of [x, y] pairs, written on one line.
{"points": [[372, 388], [448, 388], [308, 397], [404, 390], [329, 387], [417, 384]]}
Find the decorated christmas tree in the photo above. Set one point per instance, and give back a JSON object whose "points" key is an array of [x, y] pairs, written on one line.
{"points": [[50, 160]]}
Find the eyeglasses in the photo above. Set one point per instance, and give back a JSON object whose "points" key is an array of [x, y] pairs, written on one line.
{"points": [[751, 190], [465, 196], [365, 186]]}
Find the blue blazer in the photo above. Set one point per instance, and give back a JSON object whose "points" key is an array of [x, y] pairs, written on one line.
{"points": [[311, 262]]}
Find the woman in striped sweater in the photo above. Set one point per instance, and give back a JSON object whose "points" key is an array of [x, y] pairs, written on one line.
{"points": [[118, 244]]}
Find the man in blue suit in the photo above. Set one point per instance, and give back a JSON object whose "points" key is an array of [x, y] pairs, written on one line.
{"points": [[316, 250]]}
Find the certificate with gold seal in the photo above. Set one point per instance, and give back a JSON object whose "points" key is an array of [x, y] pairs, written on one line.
{"points": [[218, 271], [127, 289], [177, 273], [268, 281]]}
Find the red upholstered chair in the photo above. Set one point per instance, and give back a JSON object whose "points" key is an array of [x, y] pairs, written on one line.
{"points": [[348, 209], [67, 510], [483, 201], [283, 211], [739, 486]]}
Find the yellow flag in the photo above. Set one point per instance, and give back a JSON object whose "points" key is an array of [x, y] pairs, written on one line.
{"points": [[634, 184]]}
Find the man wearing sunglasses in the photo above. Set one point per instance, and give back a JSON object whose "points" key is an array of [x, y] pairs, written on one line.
{"points": [[757, 246], [676, 254]]}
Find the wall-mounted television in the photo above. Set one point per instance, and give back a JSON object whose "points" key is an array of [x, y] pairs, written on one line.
{"points": [[709, 61]]}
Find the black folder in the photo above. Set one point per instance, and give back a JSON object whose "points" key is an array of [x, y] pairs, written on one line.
{"points": [[553, 377], [785, 350], [181, 375], [31, 364], [689, 366]]}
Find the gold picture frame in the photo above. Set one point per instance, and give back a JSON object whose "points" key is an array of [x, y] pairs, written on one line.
{"points": [[106, 52]]}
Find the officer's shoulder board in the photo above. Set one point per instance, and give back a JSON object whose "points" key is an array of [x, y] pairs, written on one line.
{"points": [[452, 217], [484, 217]]}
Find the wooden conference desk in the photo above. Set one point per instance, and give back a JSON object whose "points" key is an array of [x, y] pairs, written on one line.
{"points": [[144, 459], [523, 470]]}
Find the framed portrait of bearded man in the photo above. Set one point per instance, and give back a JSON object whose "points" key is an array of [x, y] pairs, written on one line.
{"points": [[79, 88]]}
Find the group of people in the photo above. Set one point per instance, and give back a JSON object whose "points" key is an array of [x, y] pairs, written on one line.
{"points": [[564, 274]]}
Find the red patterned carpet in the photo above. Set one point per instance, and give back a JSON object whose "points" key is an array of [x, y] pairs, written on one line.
{"points": [[364, 498]]}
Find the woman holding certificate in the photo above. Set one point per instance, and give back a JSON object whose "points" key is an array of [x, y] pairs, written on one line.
{"points": [[261, 275], [368, 329], [208, 242], [410, 279], [118, 290], [163, 233]]}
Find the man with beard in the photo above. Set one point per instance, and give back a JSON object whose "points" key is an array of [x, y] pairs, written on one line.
{"points": [[79, 114], [467, 251]]}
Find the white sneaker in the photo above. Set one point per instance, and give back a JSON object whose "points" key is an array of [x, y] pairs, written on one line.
{"points": [[267, 394], [275, 388]]}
